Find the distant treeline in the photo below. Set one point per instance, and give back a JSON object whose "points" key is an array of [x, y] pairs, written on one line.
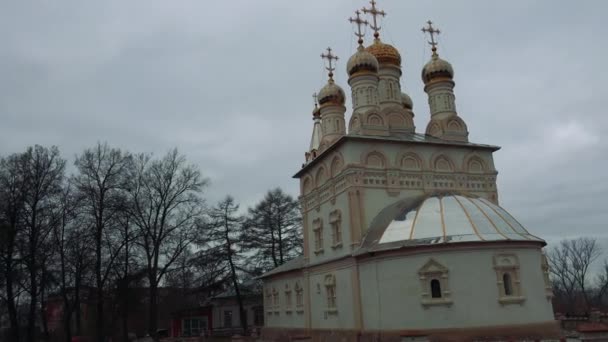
{"points": [[576, 290], [123, 221]]}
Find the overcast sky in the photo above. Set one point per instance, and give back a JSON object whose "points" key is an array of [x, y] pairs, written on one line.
{"points": [[229, 83]]}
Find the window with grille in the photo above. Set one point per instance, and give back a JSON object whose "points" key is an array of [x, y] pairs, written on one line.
{"points": [[192, 327], [330, 291], [228, 319]]}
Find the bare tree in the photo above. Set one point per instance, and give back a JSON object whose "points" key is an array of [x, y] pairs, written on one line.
{"points": [[221, 240], [165, 204], [601, 284], [100, 184], [570, 262], [183, 273], [43, 173], [272, 231], [72, 241], [11, 206], [128, 272]]}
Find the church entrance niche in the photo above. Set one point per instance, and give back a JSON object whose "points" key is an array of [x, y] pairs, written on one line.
{"points": [[435, 288]]}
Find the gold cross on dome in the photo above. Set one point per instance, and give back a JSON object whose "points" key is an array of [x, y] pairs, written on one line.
{"points": [[359, 22], [375, 13], [432, 31], [314, 96], [330, 57]]}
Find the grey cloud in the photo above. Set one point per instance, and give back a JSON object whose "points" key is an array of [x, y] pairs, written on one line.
{"points": [[230, 85]]}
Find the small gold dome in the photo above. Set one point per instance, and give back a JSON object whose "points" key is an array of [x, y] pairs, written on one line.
{"points": [[437, 67], [384, 53], [331, 93], [361, 61]]}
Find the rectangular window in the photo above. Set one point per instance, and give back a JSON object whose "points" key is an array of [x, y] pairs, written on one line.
{"points": [[275, 299], [331, 296], [335, 219], [337, 232], [186, 330], [192, 327], [318, 231], [228, 319], [288, 299], [299, 298], [258, 316], [318, 240]]}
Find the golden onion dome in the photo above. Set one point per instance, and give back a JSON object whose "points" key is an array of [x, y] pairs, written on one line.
{"points": [[331, 93], [435, 68], [406, 100], [361, 61], [384, 53]]}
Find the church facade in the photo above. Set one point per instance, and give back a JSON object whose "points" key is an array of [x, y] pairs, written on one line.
{"points": [[404, 238]]}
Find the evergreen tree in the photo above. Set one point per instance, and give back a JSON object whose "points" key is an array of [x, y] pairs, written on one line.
{"points": [[223, 245], [272, 230]]}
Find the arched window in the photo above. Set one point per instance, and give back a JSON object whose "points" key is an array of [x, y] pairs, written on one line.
{"points": [[508, 279], [435, 285], [435, 289], [506, 282]]}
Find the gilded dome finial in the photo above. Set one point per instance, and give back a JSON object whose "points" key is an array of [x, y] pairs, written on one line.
{"points": [[359, 22], [436, 68], [374, 13], [432, 31], [314, 96], [330, 57]]}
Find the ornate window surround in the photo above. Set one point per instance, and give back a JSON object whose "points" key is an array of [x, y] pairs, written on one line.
{"points": [[299, 298], [433, 270], [317, 228], [330, 292], [288, 300], [508, 264], [335, 220], [269, 301], [276, 301]]}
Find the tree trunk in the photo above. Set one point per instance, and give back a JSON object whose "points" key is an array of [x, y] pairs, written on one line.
{"points": [[272, 245], [31, 317], [125, 325], [77, 305], [235, 283], [67, 324], [153, 313], [10, 294], [67, 316], [242, 315], [43, 317], [99, 299], [279, 233], [100, 320], [67, 306]]}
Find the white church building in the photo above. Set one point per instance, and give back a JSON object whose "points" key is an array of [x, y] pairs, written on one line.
{"points": [[404, 238]]}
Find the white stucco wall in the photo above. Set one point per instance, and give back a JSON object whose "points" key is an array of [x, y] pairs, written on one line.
{"points": [[284, 316], [391, 291], [320, 317], [324, 211]]}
